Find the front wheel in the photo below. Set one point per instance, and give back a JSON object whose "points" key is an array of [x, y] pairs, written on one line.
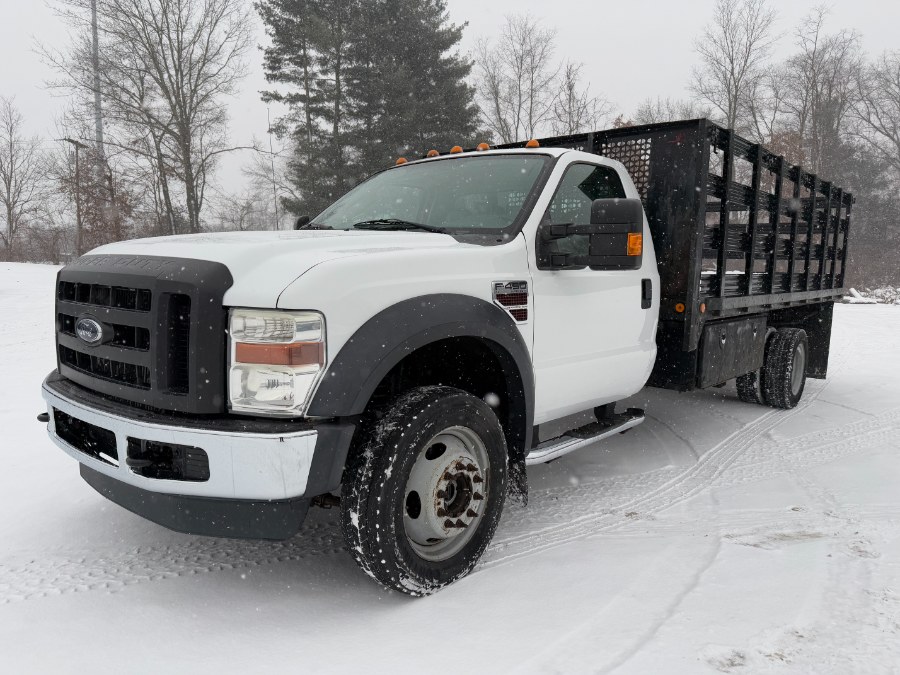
{"points": [[422, 496]]}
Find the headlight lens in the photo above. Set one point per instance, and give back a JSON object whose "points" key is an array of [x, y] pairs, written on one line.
{"points": [[276, 359]]}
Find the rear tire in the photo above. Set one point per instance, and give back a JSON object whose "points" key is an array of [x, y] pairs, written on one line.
{"points": [[749, 387], [423, 494], [784, 373]]}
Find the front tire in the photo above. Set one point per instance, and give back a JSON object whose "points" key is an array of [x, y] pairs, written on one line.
{"points": [[423, 494]]}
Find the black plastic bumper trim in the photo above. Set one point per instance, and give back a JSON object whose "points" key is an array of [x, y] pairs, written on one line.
{"points": [[234, 518]]}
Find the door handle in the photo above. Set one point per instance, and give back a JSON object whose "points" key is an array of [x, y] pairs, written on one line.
{"points": [[646, 293]]}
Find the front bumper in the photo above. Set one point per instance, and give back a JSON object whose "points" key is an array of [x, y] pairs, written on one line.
{"points": [[260, 478]]}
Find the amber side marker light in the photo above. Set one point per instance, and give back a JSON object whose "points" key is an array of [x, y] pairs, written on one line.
{"points": [[432, 153], [293, 354], [533, 143], [679, 307], [456, 149], [635, 243], [703, 308], [401, 160]]}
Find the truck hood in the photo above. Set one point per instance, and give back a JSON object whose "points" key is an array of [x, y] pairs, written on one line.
{"points": [[263, 264]]}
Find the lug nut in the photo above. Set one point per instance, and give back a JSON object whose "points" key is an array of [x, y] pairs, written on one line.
{"points": [[478, 496], [460, 466], [471, 513], [471, 467], [441, 513], [477, 479], [440, 494], [449, 524], [460, 523]]}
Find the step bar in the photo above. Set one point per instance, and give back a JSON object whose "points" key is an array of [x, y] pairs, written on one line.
{"points": [[584, 436]]}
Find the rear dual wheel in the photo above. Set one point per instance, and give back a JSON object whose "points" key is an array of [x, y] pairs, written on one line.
{"points": [[782, 379], [423, 494]]}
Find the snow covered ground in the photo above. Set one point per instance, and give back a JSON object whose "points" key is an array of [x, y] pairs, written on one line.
{"points": [[718, 536]]}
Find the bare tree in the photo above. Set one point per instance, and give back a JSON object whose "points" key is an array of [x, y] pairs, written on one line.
{"points": [[878, 109], [575, 109], [820, 90], [164, 67], [516, 79], [733, 49], [21, 175], [653, 111]]}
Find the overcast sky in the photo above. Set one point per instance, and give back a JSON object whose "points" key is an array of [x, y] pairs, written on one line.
{"points": [[631, 49]]}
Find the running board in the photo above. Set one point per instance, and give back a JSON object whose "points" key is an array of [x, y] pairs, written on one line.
{"points": [[583, 436]]}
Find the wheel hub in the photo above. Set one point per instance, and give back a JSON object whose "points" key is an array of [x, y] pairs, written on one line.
{"points": [[445, 493]]}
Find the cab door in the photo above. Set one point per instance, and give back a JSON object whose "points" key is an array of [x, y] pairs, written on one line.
{"points": [[594, 343]]}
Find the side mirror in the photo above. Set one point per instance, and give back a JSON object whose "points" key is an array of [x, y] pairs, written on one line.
{"points": [[614, 235], [302, 222]]}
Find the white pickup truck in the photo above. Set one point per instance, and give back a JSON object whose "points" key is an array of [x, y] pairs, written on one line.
{"points": [[403, 348]]}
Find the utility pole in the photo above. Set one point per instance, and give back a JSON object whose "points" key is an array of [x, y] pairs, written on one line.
{"points": [[78, 145], [272, 160], [98, 111]]}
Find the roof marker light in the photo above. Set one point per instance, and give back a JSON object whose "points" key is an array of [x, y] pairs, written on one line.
{"points": [[482, 147], [533, 143], [401, 160], [432, 153], [456, 149]]}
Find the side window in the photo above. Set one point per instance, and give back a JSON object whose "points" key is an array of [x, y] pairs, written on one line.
{"points": [[579, 187]]}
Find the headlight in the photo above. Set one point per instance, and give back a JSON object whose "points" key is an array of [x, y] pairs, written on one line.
{"points": [[276, 359]]}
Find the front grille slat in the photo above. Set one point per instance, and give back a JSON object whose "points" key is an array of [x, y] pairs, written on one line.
{"points": [[130, 374], [100, 295], [130, 337], [179, 336]]}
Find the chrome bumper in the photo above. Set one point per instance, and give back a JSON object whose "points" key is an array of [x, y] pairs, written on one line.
{"points": [[244, 466]]}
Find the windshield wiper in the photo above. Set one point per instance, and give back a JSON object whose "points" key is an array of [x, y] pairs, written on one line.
{"points": [[396, 224]]}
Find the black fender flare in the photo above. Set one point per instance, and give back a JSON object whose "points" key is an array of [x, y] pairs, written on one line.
{"points": [[396, 332]]}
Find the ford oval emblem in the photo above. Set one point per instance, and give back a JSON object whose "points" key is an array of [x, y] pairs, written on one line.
{"points": [[89, 330]]}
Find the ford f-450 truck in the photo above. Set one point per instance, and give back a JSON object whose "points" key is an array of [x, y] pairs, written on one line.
{"points": [[399, 352]]}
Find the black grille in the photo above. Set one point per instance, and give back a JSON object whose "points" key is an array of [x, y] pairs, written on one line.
{"points": [[100, 295], [163, 330], [106, 369]]}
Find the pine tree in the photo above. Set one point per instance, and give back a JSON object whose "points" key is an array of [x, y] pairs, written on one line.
{"points": [[365, 82]]}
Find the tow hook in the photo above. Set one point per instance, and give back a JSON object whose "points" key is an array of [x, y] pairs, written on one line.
{"points": [[43, 417]]}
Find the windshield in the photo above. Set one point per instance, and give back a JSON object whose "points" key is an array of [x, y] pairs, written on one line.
{"points": [[465, 194]]}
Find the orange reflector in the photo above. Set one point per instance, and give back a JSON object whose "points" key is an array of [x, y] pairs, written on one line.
{"points": [[432, 153], [679, 307], [533, 143], [294, 354], [703, 308], [456, 149], [482, 147], [401, 160], [635, 243]]}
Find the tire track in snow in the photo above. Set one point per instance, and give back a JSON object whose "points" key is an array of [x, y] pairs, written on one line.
{"points": [[601, 516]]}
